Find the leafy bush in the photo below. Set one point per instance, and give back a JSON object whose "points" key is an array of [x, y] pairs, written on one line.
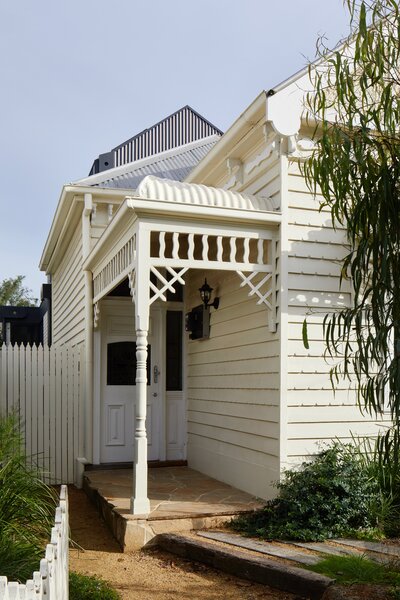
{"points": [[85, 587], [380, 457], [27, 507], [326, 498]]}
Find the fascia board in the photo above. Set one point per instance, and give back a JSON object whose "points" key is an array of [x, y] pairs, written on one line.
{"points": [[227, 142], [123, 219], [59, 219], [161, 208], [63, 214]]}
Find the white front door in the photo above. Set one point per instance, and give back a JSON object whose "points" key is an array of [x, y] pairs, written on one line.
{"points": [[118, 372]]}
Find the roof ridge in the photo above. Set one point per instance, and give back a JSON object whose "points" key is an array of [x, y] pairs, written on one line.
{"points": [[166, 119]]}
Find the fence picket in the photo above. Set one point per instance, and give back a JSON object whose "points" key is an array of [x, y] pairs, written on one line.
{"points": [[10, 381], [34, 415], [40, 408], [69, 454], [46, 413], [28, 403], [3, 381], [59, 380], [15, 368]]}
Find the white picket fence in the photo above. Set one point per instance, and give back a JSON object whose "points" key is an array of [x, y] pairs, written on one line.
{"points": [[44, 386], [51, 581]]}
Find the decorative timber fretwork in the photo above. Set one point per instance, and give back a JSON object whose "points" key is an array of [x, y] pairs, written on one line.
{"points": [[165, 255], [115, 269], [202, 251], [176, 277]]}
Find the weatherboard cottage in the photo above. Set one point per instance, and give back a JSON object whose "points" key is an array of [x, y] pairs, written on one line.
{"points": [[237, 396]]}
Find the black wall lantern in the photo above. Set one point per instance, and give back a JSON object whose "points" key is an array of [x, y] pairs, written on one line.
{"points": [[205, 295]]}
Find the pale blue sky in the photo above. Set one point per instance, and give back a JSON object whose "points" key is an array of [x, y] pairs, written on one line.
{"points": [[80, 76]]}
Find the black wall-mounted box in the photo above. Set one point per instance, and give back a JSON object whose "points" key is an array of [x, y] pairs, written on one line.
{"points": [[197, 321]]}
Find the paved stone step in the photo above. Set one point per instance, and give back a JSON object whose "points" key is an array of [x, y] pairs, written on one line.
{"points": [[365, 546], [260, 569], [271, 549], [325, 548]]}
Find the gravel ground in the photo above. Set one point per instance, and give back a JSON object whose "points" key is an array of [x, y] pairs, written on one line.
{"points": [[149, 575]]}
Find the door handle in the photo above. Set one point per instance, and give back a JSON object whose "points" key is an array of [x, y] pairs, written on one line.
{"points": [[155, 395], [156, 373]]}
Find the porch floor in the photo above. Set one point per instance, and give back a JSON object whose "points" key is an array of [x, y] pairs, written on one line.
{"points": [[181, 499]]}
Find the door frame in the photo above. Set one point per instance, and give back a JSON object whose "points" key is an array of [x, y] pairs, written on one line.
{"points": [[117, 305]]}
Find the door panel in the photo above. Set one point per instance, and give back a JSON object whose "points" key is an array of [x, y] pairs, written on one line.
{"points": [[118, 393]]}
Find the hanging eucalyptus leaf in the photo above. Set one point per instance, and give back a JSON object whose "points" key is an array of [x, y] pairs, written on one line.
{"points": [[356, 168]]}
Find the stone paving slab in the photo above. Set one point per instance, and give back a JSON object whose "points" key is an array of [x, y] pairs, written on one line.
{"points": [[366, 546], [271, 549], [174, 492], [280, 575], [324, 548]]}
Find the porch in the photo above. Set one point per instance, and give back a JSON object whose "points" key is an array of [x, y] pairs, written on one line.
{"points": [[181, 499]]}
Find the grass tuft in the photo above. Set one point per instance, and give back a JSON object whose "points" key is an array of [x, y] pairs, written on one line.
{"points": [[26, 507], [357, 569]]}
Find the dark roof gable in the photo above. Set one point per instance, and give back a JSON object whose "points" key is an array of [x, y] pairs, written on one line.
{"points": [[182, 127]]}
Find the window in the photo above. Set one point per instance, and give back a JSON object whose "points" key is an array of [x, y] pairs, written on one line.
{"points": [[174, 350], [121, 363]]}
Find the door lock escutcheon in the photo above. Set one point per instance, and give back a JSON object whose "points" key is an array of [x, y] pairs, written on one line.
{"points": [[156, 373]]}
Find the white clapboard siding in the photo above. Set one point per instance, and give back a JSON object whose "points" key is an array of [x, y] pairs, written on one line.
{"points": [[43, 386], [233, 389], [68, 295], [52, 580], [314, 411]]}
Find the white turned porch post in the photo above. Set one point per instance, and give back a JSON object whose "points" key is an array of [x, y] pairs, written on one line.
{"points": [[140, 503]]}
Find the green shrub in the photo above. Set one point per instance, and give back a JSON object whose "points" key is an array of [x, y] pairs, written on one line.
{"points": [[326, 498], [85, 587], [27, 507], [380, 457]]}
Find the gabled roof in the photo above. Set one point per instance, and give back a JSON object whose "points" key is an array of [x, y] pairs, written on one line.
{"points": [[173, 164], [182, 127]]}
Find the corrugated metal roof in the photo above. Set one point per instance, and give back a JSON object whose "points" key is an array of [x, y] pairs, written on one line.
{"points": [[174, 164], [182, 127], [201, 195]]}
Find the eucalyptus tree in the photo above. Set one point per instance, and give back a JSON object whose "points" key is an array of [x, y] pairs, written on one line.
{"points": [[356, 168]]}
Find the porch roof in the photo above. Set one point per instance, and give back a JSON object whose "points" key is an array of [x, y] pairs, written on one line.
{"points": [[200, 195]]}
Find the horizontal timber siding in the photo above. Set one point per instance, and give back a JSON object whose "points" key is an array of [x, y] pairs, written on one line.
{"points": [[232, 389], [68, 286], [315, 413]]}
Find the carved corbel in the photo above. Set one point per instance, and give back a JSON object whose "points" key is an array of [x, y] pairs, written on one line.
{"points": [[132, 284], [300, 147], [96, 315], [235, 169], [272, 148]]}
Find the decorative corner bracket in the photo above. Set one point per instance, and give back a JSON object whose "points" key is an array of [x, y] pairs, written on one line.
{"points": [[96, 315], [264, 289]]}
